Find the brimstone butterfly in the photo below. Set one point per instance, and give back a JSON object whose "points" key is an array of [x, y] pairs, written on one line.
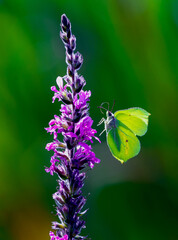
{"points": [[122, 129]]}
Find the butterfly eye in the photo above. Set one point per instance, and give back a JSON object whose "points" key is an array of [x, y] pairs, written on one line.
{"points": [[109, 114]]}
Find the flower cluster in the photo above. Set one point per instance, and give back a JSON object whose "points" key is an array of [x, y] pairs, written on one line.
{"points": [[54, 237], [73, 153]]}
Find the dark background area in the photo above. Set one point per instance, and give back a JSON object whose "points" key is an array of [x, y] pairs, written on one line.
{"points": [[130, 55]]}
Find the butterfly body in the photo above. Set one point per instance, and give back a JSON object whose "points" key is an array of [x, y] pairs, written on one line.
{"points": [[122, 129], [110, 121]]}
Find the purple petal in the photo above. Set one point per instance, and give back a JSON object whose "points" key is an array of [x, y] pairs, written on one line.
{"points": [[53, 88], [71, 134], [59, 82]]}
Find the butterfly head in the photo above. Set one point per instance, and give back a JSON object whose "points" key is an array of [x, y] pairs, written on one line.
{"points": [[109, 114]]}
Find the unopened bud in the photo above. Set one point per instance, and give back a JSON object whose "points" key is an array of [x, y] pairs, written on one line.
{"points": [[58, 199], [70, 72], [68, 33], [78, 60], [78, 85], [64, 37], [65, 210], [69, 50], [65, 98], [68, 59], [64, 20], [73, 42], [61, 172], [77, 116]]}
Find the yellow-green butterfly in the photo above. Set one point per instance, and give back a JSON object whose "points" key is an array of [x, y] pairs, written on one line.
{"points": [[122, 129]]}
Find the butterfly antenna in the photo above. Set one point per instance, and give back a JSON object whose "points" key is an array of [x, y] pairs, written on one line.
{"points": [[101, 107], [113, 105], [105, 103]]}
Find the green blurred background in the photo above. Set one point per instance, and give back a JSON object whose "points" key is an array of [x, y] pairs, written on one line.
{"points": [[130, 50]]}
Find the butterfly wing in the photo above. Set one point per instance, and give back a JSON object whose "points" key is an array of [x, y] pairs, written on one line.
{"points": [[122, 142], [136, 119]]}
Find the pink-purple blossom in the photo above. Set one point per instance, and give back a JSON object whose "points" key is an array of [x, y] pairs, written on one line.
{"points": [[54, 237]]}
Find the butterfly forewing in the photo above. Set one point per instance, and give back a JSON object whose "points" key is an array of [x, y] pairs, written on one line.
{"points": [[122, 142], [136, 119]]}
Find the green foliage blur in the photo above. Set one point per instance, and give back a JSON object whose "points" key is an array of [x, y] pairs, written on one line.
{"points": [[130, 55]]}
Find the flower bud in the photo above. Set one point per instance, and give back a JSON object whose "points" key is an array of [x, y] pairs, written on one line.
{"points": [[55, 225], [64, 20], [68, 33], [64, 37], [70, 96], [79, 83], [78, 60], [64, 211], [68, 80], [68, 59], [69, 50], [58, 198], [69, 71], [61, 172], [65, 186], [73, 42], [78, 227], [65, 98]]}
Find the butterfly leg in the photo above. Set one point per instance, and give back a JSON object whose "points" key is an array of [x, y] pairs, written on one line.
{"points": [[102, 132], [101, 121]]}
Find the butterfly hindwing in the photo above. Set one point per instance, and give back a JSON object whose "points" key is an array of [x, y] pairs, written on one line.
{"points": [[122, 142], [136, 119]]}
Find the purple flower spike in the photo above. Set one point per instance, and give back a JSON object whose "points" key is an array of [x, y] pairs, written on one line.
{"points": [[73, 153]]}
